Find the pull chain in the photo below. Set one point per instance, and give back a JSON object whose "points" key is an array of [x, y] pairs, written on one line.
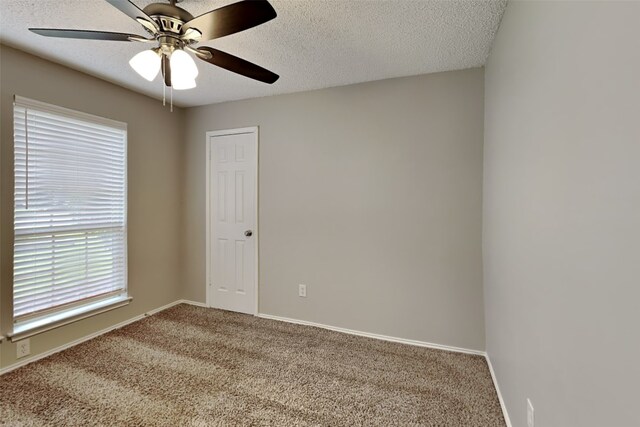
{"points": [[163, 85], [171, 91]]}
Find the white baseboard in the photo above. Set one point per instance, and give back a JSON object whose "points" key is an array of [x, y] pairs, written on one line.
{"points": [[375, 336], [495, 384], [31, 359], [196, 303]]}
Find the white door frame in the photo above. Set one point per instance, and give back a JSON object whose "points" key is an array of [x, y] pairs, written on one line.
{"points": [[256, 234]]}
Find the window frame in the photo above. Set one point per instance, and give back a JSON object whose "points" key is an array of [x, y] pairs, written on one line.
{"points": [[32, 324]]}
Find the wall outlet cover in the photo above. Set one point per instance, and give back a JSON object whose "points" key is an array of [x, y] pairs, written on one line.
{"points": [[530, 419], [302, 290], [23, 348]]}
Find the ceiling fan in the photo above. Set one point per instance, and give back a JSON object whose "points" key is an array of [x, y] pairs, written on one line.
{"points": [[176, 32]]}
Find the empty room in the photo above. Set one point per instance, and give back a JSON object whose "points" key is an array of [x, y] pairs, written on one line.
{"points": [[320, 213]]}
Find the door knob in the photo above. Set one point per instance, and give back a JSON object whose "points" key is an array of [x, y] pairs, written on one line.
{"points": [[248, 233]]}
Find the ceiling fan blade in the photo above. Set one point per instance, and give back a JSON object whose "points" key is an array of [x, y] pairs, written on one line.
{"points": [[132, 11], [233, 18], [166, 70], [238, 65], [83, 34]]}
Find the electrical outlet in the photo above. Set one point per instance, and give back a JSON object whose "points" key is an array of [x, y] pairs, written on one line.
{"points": [[530, 419], [302, 291], [23, 348]]}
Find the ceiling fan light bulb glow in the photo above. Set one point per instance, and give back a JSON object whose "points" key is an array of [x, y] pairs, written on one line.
{"points": [[147, 64], [183, 65], [179, 83]]}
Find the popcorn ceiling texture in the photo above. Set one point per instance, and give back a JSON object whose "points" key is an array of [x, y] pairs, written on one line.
{"points": [[193, 366], [312, 44]]}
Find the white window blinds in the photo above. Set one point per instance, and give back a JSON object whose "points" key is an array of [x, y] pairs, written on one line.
{"points": [[70, 209]]}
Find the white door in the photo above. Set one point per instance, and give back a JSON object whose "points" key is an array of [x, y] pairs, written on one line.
{"points": [[232, 220]]}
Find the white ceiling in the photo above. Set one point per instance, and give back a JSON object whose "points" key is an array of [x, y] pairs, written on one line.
{"points": [[312, 44]]}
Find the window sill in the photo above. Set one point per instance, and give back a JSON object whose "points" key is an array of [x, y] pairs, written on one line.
{"points": [[37, 326]]}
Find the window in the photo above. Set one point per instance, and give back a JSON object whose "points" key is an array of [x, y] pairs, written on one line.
{"points": [[70, 223]]}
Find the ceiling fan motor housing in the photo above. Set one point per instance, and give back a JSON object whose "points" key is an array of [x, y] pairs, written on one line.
{"points": [[169, 18]]}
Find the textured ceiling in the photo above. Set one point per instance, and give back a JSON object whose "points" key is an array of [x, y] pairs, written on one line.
{"points": [[312, 44]]}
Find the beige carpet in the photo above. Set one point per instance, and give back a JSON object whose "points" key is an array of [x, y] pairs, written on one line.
{"points": [[191, 366]]}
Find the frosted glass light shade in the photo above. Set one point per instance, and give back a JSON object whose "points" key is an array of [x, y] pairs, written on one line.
{"points": [[183, 65], [182, 83], [183, 70], [146, 63]]}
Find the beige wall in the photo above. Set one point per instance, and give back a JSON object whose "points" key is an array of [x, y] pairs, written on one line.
{"points": [[562, 212], [371, 195], [155, 183]]}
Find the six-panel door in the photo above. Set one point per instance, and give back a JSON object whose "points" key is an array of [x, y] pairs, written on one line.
{"points": [[233, 218]]}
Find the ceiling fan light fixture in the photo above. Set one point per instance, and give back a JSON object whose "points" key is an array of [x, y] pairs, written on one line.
{"points": [[183, 83], [146, 63], [183, 65]]}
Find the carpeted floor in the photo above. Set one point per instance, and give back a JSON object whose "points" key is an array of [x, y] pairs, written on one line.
{"points": [[192, 366]]}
